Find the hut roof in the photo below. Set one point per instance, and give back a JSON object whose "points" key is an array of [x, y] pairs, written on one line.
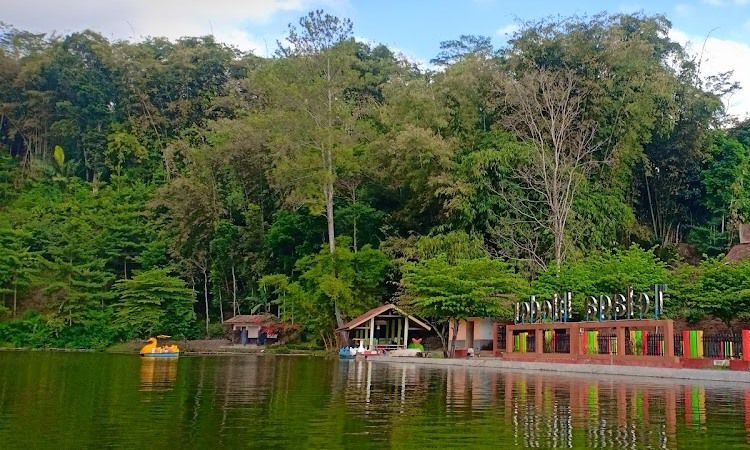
{"points": [[255, 319], [739, 252], [354, 323]]}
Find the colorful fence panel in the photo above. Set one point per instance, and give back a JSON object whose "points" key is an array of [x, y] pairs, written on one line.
{"points": [[590, 342], [692, 342], [520, 341]]}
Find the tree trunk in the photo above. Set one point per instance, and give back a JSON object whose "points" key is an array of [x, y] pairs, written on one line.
{"points": [[205, 297], [558, 249], [354, 220], [234, 292], [454, 337], [15, 294], [221, 307]]}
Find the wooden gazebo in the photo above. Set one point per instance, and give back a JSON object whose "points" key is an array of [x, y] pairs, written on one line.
{"points": [[386, 326]]}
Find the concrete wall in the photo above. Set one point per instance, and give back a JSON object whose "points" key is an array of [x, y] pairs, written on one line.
{"points": [[729, 376], [483, 329]]}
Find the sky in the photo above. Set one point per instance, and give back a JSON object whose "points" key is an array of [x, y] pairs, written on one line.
{"points": [[717, 30]]}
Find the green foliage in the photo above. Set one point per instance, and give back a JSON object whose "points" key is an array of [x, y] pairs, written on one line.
{"points": [[17, 267], [605, 273], [153, 302], [292, 235], [233, 170], [721, 290], [480, 287], [353, 281]]}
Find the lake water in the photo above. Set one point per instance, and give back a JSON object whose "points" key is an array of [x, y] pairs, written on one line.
{"points": [[93, 400]]}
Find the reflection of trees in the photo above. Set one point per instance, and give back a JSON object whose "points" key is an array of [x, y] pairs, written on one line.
{"points": [[304, 402]]}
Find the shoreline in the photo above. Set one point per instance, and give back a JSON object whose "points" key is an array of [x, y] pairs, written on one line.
{"points": [[129, 349], [731, 376], [489, 363]]}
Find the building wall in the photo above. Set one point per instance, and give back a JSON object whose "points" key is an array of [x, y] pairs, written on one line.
{"points": [[482, 333], [252, 330]]}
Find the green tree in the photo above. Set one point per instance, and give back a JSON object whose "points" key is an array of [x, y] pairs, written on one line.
{"points": [[17, 265], [351, 281], [722, 290], [445, 292], [153, 302], [604, 273], [453, 50]]}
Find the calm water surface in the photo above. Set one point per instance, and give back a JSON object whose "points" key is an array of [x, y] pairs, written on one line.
{"points": [[56, 400]]}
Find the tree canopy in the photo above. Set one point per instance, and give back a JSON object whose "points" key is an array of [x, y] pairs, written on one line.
{"points": [[167, 185]]}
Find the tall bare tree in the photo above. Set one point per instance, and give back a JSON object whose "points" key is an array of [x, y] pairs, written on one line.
{"points": [[546, 111]]}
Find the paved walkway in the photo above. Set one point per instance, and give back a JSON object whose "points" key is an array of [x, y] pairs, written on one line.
{"points": [[725, 375]]}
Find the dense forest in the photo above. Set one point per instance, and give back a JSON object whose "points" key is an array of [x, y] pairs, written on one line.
{"points": [[163, 186]]}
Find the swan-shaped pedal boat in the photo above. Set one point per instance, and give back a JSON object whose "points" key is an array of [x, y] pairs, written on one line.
{"points": [[152, 349]]}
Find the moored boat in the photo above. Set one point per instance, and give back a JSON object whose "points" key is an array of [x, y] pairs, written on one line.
{"points": [[153, 350], [347, 353]]}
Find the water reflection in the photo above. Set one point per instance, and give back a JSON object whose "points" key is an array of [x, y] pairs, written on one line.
{"points": [[98, 400], [543, 410], [158, 374]]}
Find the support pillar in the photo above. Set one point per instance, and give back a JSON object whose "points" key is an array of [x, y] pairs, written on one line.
{"points": [[620, 336], [372, 333], [508, 340], [539, 341], [406, 331], [495, 350]]}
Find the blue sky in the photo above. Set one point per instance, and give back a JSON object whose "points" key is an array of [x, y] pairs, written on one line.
{"points": [[417, 27], [414, 28]]}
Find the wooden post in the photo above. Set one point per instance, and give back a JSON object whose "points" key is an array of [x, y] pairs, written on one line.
{"points": [[508, 340], [398, 331], [372, 333], [406, 331]]}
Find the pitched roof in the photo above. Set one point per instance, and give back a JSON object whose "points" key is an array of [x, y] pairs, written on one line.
{"points": [[248, 318], [354, 323], [739, 252]]}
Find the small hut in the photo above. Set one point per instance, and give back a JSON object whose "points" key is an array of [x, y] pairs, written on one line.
{"points": [[741, 251], [384, 327], [252, 329]]}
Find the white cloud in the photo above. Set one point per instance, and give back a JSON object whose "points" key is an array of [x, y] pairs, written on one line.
{"points": [[726, 2], [228, 20], [722, 55], [507, 30]]}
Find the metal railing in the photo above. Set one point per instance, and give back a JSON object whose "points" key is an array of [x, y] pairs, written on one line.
{"points": [[652, 344], [501, 340], [530, 343], [722, 346], [562, 343], [678, 345], [607, 344]]}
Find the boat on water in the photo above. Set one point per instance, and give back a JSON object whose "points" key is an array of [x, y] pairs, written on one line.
{"points": [[347, 353], [153, 350]]}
